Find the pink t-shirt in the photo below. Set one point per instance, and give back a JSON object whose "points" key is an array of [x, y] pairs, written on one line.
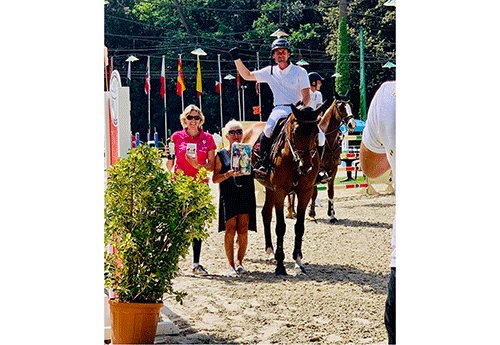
{"points": [[204, 143]]}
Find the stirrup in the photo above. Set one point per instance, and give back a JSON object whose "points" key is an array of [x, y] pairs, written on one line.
{"points": [[261, 170], [322, 177]]}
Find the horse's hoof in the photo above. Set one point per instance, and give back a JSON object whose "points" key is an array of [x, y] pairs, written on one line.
{"points": [[270, 254], [280, 271], [300, 270], [333, 220]]}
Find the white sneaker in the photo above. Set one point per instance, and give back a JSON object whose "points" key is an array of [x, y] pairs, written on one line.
{"points": [[231, 271], [199, 270], [241, 270]]}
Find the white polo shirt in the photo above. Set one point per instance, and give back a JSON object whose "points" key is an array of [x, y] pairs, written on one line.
{"points": [[286, 84], [379, 135], [316, 99]]}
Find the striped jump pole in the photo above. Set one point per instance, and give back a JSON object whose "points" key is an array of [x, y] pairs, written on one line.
{"points": [[350, 186], [341, 168], [349, 155], [345, 186], [352, 137]]}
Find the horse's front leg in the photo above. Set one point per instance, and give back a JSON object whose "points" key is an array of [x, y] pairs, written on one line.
{"points": [[331, 191], [291, 206], [267, 214], [302, 202], [312, 207], [279, 255]]}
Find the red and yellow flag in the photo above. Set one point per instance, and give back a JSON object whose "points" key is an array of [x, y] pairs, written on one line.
{"points": [[181, 87], [198, 79]]}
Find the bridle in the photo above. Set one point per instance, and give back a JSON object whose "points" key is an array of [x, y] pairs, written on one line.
{"points": [[329, 150], [343, 120], [300, 155]]}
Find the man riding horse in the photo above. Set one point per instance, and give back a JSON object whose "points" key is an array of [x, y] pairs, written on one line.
{"points": [[289, 84]]}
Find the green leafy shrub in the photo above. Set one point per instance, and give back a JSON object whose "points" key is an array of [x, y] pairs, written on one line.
{"points": [[151, 218]]}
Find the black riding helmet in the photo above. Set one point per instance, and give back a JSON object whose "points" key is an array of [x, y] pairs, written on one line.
{"points": [[280, 43], [314, 77]]}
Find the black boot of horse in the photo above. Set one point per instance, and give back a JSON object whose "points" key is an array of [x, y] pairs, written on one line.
{"points": [[262, 166]]}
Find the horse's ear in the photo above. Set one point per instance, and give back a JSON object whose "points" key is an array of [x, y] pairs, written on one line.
{"points": [[326, 104], [294, 109], [335, 94]]}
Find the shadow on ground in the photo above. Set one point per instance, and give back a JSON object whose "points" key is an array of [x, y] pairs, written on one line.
{"points": [[188, 334], [333, 274]]}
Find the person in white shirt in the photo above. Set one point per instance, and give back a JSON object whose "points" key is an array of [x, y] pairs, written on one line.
{"points": [[377, 155], [316, 81], [289, 84]]}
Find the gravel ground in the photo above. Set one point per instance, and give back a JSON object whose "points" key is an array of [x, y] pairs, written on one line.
{"points": [[340, 301]]}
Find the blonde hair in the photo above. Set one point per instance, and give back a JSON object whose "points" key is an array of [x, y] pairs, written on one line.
{"points": [[232, 123], [187, 111]]}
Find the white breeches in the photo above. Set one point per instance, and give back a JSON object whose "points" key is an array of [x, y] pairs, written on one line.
{"points": [[321, 138], [276, 114], [283, 111]]}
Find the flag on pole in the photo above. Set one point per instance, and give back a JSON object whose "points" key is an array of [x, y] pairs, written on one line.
{"points": [[256, 88], [106, 63], [129, 72], [239, 82], [198, 78], [147, 85], [180, 78], [218, 83], [162, 78], [106, 60], [110, 67]]}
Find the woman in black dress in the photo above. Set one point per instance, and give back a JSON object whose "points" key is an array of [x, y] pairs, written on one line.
{"points": [[236, 201]]}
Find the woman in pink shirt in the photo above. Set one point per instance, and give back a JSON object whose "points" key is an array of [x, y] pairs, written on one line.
{"points": [[191, 120]]}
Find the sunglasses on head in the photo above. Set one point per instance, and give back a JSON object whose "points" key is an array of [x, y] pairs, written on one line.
{"points": [[189, 117], [235, 131]]}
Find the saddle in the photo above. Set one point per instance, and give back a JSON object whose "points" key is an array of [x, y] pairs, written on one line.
{"points": [[276, 142]]}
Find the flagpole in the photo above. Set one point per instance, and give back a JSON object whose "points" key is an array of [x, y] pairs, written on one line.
{"points": [[106, 62], [239, 102], [220, 94], [182, 92], [164, 94], [260, 102], [149, 98], [199, 71]]}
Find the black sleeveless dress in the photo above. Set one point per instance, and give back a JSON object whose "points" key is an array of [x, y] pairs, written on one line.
{"points": [[236, 195]]}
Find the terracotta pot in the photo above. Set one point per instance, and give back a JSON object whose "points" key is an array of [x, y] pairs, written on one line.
{"points": [[134, 323]]}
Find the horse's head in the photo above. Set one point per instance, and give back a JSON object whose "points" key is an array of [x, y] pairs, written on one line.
{"points": [[306, 118], [339, 112], [302, 132]]}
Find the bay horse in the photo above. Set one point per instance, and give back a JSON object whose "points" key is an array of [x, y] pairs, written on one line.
{"points": [[340, 112], [294, 166]]}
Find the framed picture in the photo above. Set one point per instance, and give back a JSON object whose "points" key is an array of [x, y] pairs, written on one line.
{"points": [[241, 158]]}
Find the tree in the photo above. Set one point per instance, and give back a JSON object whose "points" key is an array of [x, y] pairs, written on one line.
{"points": [[155, 28], [343, 83], [379, 24]]}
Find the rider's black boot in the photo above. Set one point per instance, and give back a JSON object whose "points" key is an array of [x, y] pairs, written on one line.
{"points": [[262, 165], [321, 149], [322, 175]]}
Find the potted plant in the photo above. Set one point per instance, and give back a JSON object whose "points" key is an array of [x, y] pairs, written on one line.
{"points": [[151, 217]]}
